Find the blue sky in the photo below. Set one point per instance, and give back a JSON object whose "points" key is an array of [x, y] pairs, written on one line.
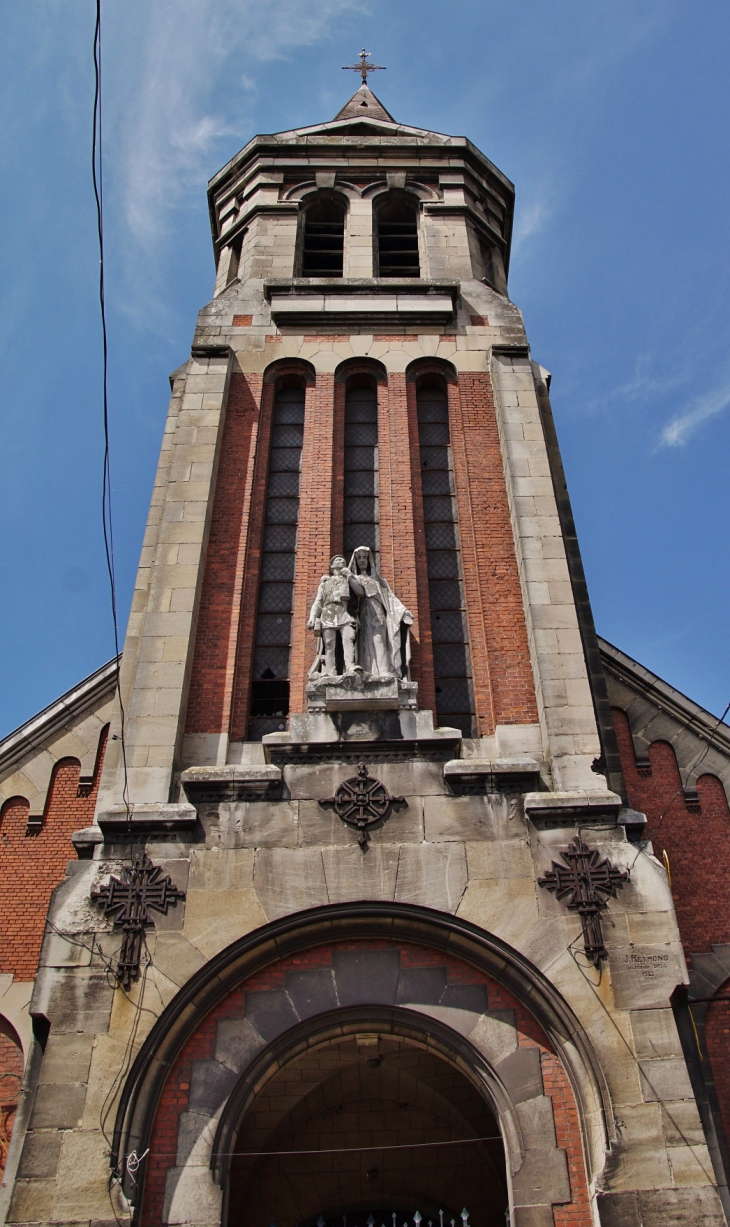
{"points": [[611, 118]]}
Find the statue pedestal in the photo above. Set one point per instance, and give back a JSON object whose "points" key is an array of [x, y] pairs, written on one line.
{"points": [[361, 692]]}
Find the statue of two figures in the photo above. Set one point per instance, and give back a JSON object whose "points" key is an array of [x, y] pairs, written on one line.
{"points": [[361, 626]]}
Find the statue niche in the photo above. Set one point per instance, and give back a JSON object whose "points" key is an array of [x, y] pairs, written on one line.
{"points": [[363, 638]]}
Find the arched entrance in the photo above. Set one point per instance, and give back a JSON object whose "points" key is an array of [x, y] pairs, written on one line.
{"points": [[367, 1123], [421, 991]]}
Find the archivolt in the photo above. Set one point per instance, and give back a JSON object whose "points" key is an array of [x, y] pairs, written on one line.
{"points": [[346, 922]]}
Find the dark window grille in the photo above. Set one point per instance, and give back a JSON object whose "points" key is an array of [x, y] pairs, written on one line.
{"points": [[449, 633], [323, 240], [361, 470], [270, 680], [397, 239]]}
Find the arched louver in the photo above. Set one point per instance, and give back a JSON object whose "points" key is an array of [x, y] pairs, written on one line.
{"points": [[397, 238], [323, 239]]}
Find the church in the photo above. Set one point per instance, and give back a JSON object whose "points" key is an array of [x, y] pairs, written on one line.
{"points": [[374, 889]]}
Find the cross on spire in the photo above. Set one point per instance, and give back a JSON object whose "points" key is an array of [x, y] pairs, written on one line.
{"points": [[363, 67]]}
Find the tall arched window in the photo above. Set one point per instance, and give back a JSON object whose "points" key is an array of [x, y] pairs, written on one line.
{"points": [[361, 465], [396, 237], [449, 631], [323, 238], [270, 681]]}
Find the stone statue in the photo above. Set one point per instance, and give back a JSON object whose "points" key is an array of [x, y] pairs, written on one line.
{"points": [[329, 618], [383, 641]]}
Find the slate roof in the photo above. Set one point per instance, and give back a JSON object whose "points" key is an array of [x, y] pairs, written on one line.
{"points": [[364, 105]]}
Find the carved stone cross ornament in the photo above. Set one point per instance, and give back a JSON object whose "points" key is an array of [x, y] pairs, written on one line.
{"points": [[127, 900], [362, 801], [588, 883]]}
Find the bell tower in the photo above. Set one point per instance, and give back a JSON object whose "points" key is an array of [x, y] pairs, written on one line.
{"points": [[363, 928], [360, 378]]}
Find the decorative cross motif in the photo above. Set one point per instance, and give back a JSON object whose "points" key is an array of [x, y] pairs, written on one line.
{"points": [[363, 67], [589, 882], [127, 901], [362, 801]]}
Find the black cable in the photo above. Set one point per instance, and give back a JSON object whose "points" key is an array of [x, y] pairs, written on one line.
{"points": [[97, 177]]}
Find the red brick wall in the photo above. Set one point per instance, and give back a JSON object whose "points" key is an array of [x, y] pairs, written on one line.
{"points": [[694, 838], [504, 690], [220, 682], [216, 639], [567, 1133], [338, 468], [397, 536], [201, 1046], [256, 508], [34, 864], [314, 535], [422, 668]]}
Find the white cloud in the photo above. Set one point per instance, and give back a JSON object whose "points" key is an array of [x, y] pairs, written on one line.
{"points": [[683, 426], [168, 108], [528, 221]]}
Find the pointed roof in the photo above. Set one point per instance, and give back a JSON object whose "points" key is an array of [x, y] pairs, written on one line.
{"points": [[364, 105]]}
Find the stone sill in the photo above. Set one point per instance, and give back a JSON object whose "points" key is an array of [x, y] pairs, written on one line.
{"points": [[162, 817], [561, 807], [491, 774], [232, 782]]}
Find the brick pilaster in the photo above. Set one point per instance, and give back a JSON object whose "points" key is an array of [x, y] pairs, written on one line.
{"points": [[422, 663], [314, 537], [397, 521], [338, 467], [241, 682], [209, 701], [504, 690]]}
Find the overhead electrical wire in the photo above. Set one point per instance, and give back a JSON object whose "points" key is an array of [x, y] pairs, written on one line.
{"points": [[97, 176]]}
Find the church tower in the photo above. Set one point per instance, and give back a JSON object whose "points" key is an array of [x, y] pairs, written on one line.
{"points": [[361, 932]]}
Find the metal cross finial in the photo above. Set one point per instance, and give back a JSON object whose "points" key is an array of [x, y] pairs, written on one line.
{"points": [[127, 901], [363, 67], [589, 882]]}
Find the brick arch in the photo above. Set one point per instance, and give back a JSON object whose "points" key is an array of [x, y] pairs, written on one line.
{"points": [[35, 855], [290, 366], [456, 976], [12, 809], [431, 366], [692, 831], [361, 366]]}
